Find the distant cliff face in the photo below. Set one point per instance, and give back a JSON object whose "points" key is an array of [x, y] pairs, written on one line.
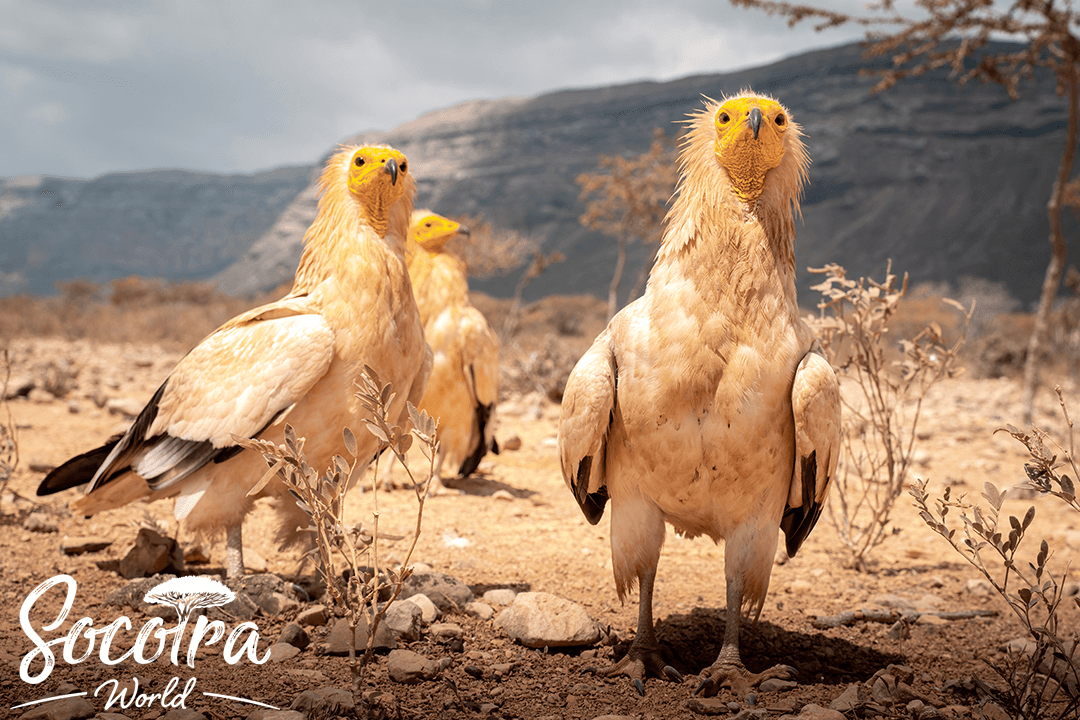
{"points": [[946, 180], [174, 224]]}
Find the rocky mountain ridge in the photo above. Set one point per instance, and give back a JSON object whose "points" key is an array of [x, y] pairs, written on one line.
{"points": [[947, 180]]}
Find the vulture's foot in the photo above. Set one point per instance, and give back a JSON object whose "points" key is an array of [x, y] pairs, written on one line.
{"points": [[441, 487], [639, 663], [735, 676]]}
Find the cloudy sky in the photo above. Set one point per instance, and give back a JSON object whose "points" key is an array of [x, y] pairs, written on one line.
{"points": [[243, 85]]}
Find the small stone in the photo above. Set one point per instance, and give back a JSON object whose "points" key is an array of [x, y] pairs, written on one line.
{"points": [[124, 406], [445, 631], [38, 465], [39, 522], [499, 596], [337, 642], [816, 712], [980, 587], [324, 702], [537, 619], [777, 685], [708, 706], [405, 619], [428, 611], [799, 587], [447, 592], [84, 544], [850, 700], [41, 396], [73, 708], [480, 610], [510, 443], [183, 714], [502, 495], [406, 666], [151, 554], [196, 555], [267, 714], [74, 407], [314, 616], [279, 652], [294, 635]]}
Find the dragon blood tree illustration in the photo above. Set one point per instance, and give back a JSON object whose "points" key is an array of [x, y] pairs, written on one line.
{"points": [[187, 594]]}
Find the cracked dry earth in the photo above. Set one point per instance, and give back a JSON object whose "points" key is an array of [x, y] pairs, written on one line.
{"points": [[516, 526]]}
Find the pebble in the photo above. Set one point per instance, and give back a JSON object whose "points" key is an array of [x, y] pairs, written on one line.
{"points": [[428, 611], [502, 495], [777, 685], [294, 635], [480, 610], [73, 708], [151, 554], [183, 714], [405, 619], [980, 587], [815, 712], [324, 702], [83, 544], [538, 619], [39, 522], [74, 407], [337, 642], [124, 406], [280, 652], [315, 616], [499, 596], [406, 666], [267, 714], [447, 592], [38, 465], [512, 442]]}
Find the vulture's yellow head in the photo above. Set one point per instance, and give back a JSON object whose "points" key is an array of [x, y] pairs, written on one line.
{"points": [[750, 134], [432, 231], [376, 180]]}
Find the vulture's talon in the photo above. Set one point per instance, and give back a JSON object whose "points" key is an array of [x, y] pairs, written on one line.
{"points": [[590, 669], [706, 688], [673, 674], [639, 686]]}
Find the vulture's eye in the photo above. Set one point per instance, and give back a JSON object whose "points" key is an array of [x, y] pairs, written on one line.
{"points": [[780, 120], [724, 118], [427, 224], [359, 161]]}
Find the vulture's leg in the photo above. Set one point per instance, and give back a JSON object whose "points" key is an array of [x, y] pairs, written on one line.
{"points": [[234, 550], [728, 670], [637, 534]]}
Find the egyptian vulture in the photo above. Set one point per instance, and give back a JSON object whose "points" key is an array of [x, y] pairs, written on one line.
{"points": [[464, 386], [295, 360], [706, 403]]}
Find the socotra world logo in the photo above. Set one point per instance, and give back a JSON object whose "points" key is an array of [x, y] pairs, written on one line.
{"points": [[186, 595]]}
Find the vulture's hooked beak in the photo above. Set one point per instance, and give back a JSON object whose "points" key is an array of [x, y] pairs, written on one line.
{"points": [[462, 230], [391, 164], [755, 121]]}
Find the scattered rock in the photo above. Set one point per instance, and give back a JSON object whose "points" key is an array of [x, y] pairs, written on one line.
{"points": [[151, 554], [40, 466], [314, 616], [19, 386], [446, 631], [196, 555], [270, 593], [325, 702], [537, 619], [405, 619], [849, 701], [512, 442], [183, 714], [267, 714], [279, 652], [480, 610], [40, 396], [428, 611], [502, 495], [980, 587], [84, 544], [499, 596], [294, 635], [815, 712], [74, 407], [708, 706], [799, 587], [406, 666], [39, 522], [73, 708], [777, 685], [337, 642], [447, 592], [254, 562], [128, 407]]}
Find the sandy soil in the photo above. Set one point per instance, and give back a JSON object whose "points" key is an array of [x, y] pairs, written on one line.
{"points": [[516, 525]]}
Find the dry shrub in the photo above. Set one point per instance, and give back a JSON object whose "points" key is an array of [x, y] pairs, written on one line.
{"points": [[130, 310], [9, 442], [1043, 679], [884, 382], [355, 547]]}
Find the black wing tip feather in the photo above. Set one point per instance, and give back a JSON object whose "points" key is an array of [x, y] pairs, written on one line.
{"points": [[591, 504], [76, 471], [798, 522], [470, 463]]}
